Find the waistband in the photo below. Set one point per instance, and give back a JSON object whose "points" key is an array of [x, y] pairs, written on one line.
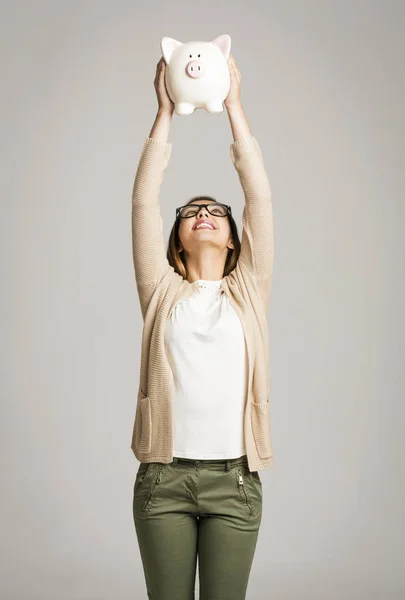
{"points": [[220, 463]]}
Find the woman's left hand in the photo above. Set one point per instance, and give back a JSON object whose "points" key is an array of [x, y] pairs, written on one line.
{"points": [[233, 98]]}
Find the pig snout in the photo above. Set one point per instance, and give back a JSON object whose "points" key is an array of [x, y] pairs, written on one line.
{"points": [[195, 69]]}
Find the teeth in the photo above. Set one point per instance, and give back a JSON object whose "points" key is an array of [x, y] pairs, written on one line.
{"points": [[205, 225]]}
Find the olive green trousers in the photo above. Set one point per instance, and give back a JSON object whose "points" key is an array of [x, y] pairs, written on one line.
{"points": [[210, 509]]}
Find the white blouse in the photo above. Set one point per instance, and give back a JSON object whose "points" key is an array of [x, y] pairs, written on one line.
{"points": [[205, 345]]}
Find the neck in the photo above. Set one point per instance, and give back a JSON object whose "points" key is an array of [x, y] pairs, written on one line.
{"points": [[205, 268]]}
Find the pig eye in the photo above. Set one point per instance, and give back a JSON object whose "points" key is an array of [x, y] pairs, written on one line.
{"points": [[199, 55], [191, 56]]}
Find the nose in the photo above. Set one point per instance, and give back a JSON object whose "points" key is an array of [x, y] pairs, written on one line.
{"points": [[195, 69], [203, 212]]}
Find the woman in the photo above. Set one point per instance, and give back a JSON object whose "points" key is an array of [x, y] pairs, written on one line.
{"points": [[201, 430]]}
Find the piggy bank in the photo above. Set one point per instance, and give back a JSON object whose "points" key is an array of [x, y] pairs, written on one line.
{"points": [[197, 73]]}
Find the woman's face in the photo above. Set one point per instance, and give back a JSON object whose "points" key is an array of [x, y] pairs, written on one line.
{"points": [[194, 240]]}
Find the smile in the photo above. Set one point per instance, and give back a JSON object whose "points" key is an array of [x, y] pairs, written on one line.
{"points": [[204, 226]]}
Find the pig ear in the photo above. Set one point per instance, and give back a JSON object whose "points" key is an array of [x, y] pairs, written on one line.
{"points": [[168, 45], [224, 44]]}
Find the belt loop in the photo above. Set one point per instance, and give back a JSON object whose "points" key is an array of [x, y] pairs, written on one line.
{"points": [[228, 465], [174, 463]]}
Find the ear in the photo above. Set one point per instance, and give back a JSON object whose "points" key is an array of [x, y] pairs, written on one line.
{"points": [[223, 42], [168, 45]]}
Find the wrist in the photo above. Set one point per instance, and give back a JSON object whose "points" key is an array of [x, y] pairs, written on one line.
{"points": [[234, 106], [165, 112]]}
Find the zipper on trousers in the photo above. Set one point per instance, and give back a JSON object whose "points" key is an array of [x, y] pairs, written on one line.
{"points": [[241, 483]]}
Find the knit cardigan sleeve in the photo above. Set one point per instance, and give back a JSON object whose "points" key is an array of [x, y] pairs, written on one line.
{"points": [[149, 253], [257, 243]]}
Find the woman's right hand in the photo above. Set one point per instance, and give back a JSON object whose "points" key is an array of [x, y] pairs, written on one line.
{"points": [[164, 101]]}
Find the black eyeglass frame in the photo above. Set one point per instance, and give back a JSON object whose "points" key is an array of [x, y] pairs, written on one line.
{"points": [[228, 210]]}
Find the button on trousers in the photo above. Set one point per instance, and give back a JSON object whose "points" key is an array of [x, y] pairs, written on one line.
{"points": [[189, 510]]}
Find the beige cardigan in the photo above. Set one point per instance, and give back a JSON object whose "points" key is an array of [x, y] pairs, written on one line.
{"points": [[160, 288]]}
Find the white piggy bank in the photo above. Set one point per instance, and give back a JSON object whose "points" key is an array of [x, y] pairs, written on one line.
{"points": [[197, 73]]}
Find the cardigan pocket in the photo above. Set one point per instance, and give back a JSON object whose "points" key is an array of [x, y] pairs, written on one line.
{"points": [[143, 429], [261, 429]]}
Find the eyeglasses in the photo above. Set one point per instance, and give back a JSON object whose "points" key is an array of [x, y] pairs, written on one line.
{"points": [[214, 208]]}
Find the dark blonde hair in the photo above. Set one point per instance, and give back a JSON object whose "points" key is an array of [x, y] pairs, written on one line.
{"points": [[175, 257]]}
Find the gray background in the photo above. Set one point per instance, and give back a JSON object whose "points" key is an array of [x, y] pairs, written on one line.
{"points": [[323, 91]]}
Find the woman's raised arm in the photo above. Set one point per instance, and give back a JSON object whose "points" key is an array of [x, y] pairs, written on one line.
{"points": [[257, 245], [149, 253]]}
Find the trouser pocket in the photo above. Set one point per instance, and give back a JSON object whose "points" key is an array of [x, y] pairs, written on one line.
{"points": [[154, 482], [243, 491], [146, 481]]}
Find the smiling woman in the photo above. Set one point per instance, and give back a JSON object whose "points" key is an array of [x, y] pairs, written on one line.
{"points": [[215, 258], [202, 416]]}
